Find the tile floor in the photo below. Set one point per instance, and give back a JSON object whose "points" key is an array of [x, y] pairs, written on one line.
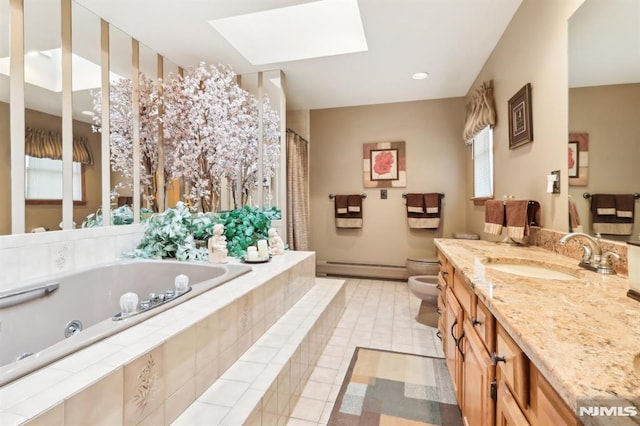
{"points": [[379, 314]]}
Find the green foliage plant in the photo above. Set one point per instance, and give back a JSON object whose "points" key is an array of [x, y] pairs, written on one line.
{"points": [[173, 234]]}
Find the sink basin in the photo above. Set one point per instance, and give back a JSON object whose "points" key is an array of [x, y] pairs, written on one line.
{"points": [[530, 268]]}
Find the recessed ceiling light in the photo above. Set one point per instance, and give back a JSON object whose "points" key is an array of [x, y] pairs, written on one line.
{"points": [[308, 30], [90, 113], [420, 75]]}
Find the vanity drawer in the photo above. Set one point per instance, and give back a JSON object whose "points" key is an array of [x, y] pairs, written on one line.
{"points": [[512, 366], [485, 325], [463, 293], [446, 270]]}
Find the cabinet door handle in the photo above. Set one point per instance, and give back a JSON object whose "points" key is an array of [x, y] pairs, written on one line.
{"points": [[458, 345], [445, 273], [439, 335], [495, 358], [455, 339], [438, 286], [475, 322], [439, 312]]}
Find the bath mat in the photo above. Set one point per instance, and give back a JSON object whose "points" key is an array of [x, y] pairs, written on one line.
{"points": [[393, 388]]}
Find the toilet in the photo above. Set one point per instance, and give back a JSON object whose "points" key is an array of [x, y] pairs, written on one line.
{"points": [[423, 282]]}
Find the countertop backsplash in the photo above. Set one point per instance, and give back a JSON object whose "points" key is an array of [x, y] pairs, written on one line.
{"points": [[548, 239]]}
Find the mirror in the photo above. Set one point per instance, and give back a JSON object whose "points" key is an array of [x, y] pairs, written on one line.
{"points": [[87, 85], [120, 118], [604, 99], [273, 100], [43, 115], [172, 188], [266, 86], [149, 144], [5, 159]]}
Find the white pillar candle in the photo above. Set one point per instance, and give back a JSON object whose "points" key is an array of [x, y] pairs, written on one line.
{"points": [[263, 249], [252, 253]]}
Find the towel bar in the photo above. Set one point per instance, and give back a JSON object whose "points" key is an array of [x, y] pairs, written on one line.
{"points": [[332, 196], [404, 195], [586, 195]]}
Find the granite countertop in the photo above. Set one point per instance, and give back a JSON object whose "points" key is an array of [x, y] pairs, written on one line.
{"points": [[582, 334]]}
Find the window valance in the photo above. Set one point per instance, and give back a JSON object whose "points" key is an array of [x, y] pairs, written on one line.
{"points": [[41, 143], [481, 112]]}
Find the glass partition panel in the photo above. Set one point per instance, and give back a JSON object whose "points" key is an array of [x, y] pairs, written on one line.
{"points": [[43, 122], [86, 84]]}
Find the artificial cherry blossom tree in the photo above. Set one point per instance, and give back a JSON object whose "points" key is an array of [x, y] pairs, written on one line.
{"points": [[211, 136]]}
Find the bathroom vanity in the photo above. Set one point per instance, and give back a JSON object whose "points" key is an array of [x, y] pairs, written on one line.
{"points": [[526, 347]]}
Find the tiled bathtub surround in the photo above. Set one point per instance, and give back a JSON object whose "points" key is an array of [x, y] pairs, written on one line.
{"points": [[27, 256], [151, 372]]}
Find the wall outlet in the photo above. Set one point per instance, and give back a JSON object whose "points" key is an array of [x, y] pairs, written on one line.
{"points": [[383, 194]]}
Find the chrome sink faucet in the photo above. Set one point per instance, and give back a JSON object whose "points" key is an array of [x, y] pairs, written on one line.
{"points": [[593, 259]]}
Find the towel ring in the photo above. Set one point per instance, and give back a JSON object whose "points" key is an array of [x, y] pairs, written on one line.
{"points": [[332, 196], [404, 195]]}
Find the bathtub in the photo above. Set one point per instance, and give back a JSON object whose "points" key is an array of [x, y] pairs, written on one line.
{"points": [[34, 322]]}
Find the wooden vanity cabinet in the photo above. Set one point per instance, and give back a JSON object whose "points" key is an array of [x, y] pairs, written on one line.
{"points": [[494, 381]]}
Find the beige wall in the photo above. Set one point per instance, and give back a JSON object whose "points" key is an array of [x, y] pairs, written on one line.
{"points": [[432, 131], [609, 114], [298, 121], [48, 216], [533, 49]]}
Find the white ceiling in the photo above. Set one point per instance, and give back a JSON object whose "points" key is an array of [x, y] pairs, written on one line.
{"points": [[449, 39]]}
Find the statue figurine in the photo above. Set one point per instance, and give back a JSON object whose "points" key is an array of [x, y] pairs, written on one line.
{"points": [[276, 245], [218, 245]]}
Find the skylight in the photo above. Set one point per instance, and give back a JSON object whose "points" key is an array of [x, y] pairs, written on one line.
{"points": [[309, 30]]}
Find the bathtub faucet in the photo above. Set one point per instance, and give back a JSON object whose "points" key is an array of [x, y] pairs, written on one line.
{"points": [[593, 258]]}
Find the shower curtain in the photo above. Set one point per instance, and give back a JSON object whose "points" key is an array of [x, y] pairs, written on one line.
{"points": [[297, 192]]}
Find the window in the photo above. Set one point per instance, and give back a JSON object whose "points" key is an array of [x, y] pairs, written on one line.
{"points": [[43, 179], [483, 164]]}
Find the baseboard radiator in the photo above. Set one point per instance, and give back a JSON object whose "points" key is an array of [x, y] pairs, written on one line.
{"points": [[361, 270]]}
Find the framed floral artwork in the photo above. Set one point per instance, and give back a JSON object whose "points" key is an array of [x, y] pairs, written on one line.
{"points": [[574, 160], [384, 165], [578, 159]]}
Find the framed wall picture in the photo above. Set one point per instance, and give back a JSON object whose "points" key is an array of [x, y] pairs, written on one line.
{"points": [[574, 160], [520, 118], [579, 149], [384, 165]]}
